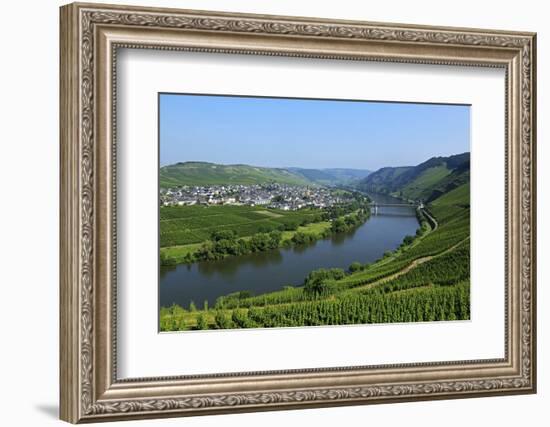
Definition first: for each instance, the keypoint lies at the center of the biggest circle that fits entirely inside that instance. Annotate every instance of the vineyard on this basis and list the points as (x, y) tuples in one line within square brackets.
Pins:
[(183, 225), (426, 279), (203, 233)]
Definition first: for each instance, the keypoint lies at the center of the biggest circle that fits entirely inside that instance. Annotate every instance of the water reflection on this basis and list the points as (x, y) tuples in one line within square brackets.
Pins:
[(230, 266), (341, 238)]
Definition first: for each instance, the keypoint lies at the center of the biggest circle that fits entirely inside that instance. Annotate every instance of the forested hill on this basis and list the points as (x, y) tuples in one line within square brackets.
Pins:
[(204, 173), (426, 181)]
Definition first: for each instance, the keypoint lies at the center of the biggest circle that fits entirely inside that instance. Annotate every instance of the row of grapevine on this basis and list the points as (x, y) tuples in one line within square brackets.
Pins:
[(425, 304)]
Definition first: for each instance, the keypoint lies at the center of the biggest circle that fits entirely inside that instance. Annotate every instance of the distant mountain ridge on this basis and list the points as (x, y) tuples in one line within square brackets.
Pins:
[(205, 173), (332, 176), (426, 181)]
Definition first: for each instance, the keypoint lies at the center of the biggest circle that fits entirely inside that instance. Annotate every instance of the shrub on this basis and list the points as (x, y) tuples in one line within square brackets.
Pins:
[(301, 238), (240, 318), (223, 321), (355, 266), (320, 282), (202, 323), (222, 235), (167, 260), (407, 240)]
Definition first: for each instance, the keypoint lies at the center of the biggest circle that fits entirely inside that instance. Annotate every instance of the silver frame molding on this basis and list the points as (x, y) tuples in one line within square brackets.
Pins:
[(90, 37)]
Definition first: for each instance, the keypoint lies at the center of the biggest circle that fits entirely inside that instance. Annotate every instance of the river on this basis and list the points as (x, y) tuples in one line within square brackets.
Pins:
[(269, 271)]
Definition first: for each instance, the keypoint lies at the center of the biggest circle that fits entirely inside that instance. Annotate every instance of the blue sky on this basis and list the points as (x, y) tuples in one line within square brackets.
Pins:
[(278, 132)]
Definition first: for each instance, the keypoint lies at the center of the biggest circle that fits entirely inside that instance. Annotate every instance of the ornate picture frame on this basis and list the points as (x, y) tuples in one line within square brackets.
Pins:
[(90, 37)]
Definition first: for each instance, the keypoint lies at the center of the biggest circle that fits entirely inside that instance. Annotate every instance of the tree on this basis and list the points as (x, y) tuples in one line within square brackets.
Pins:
[(222, 235), (407, 240), (350, 220), (319, 282), (338, 225), (291, 225), (355, 266), (206, 251), (259, 242), (243, 294), (275, 236), (301, 238)]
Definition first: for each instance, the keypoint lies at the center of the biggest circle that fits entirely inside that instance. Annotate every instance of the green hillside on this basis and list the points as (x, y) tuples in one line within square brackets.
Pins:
[(426, 181), (422, 186), (315, 175), (460, 196), (345, 175), (203, 173), (381, 180), (331, 176)]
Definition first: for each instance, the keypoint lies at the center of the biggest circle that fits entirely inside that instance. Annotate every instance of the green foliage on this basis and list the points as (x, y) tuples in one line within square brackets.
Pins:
[(241, 319), (166, 259), (223, 321), (320, 282), (225, 245), (407, 240), (202, 323), (339, 225), (301, 238), (218, 235), (355, 266), (348, 222)]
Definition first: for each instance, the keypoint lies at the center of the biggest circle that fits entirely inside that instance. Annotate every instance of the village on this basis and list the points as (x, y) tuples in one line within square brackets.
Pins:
[(274, 195)]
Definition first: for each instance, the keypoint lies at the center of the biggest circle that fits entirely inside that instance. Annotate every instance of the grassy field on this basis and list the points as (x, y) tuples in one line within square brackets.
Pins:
[(424, 280)]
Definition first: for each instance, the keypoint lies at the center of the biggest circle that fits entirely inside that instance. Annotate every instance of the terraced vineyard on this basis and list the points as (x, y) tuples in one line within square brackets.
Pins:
[(423, 280)]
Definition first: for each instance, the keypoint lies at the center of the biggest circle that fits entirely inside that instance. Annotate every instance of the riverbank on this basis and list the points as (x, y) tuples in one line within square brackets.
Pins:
[(225, 243)]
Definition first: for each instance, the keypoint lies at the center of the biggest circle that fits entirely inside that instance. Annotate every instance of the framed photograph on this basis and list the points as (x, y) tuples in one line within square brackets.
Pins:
[(266, 212)]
